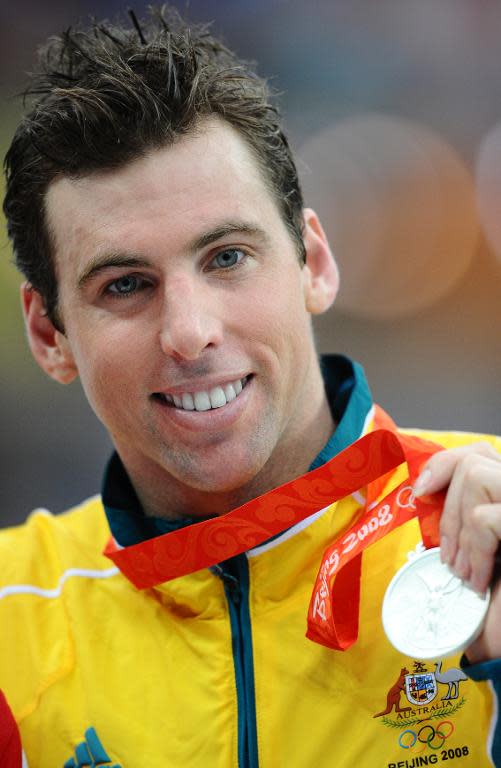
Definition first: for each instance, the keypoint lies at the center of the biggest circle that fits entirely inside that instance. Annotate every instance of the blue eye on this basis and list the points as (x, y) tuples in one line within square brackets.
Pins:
[(124, 286), (228, 258), (133, 287)]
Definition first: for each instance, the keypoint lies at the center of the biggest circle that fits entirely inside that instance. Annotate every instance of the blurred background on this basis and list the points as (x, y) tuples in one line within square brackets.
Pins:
[(394, 110)]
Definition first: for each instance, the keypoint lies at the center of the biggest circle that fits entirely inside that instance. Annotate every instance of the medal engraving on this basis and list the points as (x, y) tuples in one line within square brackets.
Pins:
[(429, 613)]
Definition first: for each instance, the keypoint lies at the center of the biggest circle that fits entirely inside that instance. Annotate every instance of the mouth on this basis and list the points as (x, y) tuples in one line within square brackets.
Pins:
[(204, 399)]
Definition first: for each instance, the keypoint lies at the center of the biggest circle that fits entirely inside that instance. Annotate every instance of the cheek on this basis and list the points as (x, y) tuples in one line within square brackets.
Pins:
[(274, 307), (107, 371), (114, 400)]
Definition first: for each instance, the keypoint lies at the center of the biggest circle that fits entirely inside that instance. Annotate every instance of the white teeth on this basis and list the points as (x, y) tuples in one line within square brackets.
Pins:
[(230, 393), (217, 397), (204, 401), (187, 401)]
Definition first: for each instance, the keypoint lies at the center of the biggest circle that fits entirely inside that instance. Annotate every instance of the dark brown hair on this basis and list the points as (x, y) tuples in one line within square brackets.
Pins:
[(106, 94)]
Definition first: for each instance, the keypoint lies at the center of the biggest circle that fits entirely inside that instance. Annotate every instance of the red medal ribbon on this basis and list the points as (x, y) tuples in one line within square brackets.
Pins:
[(334, 607), (366, 463)]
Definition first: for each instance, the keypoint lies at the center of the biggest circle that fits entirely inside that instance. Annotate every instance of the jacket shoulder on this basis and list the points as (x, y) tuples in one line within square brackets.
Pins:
[(49, 569), (453, 438), (46, 545)]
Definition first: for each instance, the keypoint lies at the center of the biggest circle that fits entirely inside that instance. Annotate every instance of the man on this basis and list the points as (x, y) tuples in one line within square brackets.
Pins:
[(155, 211)]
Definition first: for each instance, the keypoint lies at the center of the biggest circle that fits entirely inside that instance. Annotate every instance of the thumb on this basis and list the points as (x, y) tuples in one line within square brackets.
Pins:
[(437, 472)]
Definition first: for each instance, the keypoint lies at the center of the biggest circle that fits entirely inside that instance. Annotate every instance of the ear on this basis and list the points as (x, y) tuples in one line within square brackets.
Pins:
[(49, 347), (321, 276)]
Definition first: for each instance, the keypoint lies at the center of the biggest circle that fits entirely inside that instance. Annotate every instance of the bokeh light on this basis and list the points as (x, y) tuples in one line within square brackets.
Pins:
[(398, 206), (488, 183)]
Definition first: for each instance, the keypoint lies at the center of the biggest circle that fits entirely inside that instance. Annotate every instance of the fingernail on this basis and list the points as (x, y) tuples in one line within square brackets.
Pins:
[(422, 482), (445, 551)]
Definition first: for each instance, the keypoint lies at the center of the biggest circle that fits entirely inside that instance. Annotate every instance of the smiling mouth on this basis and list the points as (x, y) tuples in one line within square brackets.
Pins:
[(204, 399)]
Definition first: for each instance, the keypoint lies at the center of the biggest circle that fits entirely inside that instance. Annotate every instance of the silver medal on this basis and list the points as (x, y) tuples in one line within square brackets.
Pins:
[(428, 612)]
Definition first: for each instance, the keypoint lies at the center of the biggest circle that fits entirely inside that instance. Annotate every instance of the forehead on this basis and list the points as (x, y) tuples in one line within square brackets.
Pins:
[(182, 188)]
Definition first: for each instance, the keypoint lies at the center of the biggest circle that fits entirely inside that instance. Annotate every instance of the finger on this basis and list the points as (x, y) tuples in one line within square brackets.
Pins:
[(479, 542), (461, 566), (476, 481), (451, 522), (438, 470)]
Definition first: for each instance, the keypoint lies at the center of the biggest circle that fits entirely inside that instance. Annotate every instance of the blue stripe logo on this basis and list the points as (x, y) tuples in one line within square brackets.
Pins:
[(90, 753)]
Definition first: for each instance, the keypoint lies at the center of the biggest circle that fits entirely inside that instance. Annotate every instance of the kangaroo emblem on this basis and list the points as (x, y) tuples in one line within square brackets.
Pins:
[(393, 697)]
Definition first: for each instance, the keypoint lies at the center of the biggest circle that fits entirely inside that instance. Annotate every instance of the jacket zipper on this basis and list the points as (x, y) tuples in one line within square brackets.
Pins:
[(235, 576)]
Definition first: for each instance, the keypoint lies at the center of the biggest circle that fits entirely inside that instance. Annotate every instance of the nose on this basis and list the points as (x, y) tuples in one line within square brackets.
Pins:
[(191, 320)]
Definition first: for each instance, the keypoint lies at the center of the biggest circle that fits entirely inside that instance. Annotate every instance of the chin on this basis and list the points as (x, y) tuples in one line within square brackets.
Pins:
[(232, 471), (222, 483)]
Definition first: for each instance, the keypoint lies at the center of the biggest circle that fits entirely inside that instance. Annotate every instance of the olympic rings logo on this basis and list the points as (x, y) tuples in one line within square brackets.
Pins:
[(427, 736)]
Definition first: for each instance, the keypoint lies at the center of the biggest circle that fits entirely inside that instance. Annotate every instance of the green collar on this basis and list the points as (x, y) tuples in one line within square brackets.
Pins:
[(350, 401)]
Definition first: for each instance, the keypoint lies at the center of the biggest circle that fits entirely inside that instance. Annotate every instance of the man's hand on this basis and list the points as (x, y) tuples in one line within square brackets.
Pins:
[(470, 528)]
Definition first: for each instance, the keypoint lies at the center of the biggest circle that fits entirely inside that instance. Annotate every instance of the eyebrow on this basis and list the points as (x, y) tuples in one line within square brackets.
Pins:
[(109, 260), (225, 229), (106, 261)]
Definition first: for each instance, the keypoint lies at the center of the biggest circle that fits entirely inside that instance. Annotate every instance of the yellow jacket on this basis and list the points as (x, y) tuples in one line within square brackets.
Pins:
[(183, 675)]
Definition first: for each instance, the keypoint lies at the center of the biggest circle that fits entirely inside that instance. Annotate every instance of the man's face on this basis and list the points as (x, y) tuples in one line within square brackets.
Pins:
[(179, 286)]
